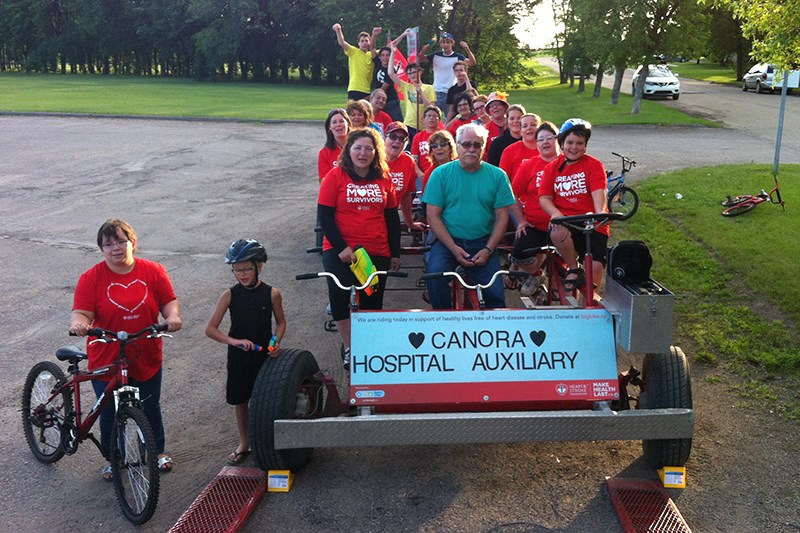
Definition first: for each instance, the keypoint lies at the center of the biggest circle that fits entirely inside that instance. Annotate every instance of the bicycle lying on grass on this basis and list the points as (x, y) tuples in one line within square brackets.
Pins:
[(54, 422), (739, 205), (620, 197)]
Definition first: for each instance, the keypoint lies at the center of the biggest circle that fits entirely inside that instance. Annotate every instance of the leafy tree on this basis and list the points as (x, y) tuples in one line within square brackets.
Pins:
[(772, 25)]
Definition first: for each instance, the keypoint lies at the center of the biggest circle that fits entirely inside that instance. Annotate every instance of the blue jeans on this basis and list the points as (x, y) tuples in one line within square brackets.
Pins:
[(441, 102), (441, 260), (149, 394)]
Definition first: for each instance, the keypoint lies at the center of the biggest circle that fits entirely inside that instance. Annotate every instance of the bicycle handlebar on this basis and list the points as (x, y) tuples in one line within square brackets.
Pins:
[(588, 222), (338, 283), (462, 281), (106, 335), (631, 162)]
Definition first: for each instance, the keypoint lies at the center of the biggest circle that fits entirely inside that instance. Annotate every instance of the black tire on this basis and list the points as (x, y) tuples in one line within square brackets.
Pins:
[(759, 88), (624, 200), (46, 431), (739, 209), (134, 463), (281, 382), (668, 385), (744, 86), (675, 96)]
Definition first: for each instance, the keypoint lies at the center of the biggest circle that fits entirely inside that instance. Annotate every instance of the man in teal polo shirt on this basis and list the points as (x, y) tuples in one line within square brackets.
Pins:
[(468, 202)]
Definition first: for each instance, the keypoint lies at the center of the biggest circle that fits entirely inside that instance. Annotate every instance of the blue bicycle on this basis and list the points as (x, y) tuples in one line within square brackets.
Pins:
[(620, 197)]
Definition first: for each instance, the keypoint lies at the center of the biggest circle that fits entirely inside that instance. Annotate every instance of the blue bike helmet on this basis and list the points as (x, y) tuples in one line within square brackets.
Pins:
[(246, 250), (575, 125)]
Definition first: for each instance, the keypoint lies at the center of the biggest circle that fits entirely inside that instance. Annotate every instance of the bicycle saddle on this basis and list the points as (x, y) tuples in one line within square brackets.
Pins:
[(71, 353)]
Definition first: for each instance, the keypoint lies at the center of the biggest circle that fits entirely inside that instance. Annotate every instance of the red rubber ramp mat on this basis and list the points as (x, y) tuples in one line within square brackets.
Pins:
[(225, 503), (644, 506)]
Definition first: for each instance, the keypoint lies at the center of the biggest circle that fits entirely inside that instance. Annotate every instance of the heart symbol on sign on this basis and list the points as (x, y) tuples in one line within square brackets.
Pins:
[(128, 297), (538, 337), (416, 339)]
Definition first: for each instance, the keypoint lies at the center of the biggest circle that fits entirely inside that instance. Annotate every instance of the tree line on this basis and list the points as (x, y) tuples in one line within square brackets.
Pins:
[(253, 40)]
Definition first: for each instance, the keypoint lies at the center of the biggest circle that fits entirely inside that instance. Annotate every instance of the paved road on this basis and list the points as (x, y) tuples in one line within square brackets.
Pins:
[(189, 188), (750, 121)]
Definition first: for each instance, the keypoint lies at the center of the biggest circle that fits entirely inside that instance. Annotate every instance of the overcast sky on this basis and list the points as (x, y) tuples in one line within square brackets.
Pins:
[(537, 30)]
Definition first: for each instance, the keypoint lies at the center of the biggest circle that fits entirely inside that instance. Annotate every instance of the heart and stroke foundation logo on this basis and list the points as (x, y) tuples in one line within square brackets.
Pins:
[(128, 297)]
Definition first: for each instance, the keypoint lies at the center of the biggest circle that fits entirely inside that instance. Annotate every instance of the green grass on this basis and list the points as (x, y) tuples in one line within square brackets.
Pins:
[(705, 71), (722, 268), (178, 97), (737, 302)]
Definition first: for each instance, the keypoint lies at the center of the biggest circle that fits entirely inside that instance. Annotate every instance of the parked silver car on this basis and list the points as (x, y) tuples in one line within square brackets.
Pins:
[(762, 78), (660, 81)]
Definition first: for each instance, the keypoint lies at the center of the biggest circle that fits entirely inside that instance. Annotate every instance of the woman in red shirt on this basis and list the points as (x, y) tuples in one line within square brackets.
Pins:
[(526, 148), (123, 293), (337, 126), (574, 184), (357, 206), (532, 229)]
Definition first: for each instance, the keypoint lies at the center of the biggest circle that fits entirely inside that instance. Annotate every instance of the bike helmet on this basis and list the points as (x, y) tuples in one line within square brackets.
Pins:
[(574, 125), (246, 250)]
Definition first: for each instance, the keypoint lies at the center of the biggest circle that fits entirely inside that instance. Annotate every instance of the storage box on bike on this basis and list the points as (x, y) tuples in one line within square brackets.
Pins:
[(643, 314)]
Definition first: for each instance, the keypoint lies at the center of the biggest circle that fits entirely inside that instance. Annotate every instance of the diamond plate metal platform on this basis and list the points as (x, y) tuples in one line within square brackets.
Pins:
[(644, 506), (492, 427), (225, 503)]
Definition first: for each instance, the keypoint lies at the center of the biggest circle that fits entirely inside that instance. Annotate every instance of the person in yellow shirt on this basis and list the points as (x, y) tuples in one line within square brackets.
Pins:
[(417, 95), (359, 61)]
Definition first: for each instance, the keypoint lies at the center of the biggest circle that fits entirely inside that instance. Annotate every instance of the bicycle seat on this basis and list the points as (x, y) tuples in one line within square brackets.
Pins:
[(71, 353)]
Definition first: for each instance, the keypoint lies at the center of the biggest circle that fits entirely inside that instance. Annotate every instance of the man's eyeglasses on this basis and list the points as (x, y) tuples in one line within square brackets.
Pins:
[(242, 270), (475, 145), (546, 140), (115, 244), (396, 137), (478, 107), (434, 146)]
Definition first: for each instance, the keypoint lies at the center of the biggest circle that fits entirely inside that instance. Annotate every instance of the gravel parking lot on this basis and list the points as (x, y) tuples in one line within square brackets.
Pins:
[(189, 188)]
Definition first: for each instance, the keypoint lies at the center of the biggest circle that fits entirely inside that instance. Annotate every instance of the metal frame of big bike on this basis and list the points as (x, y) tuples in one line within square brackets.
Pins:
[(55, 423)]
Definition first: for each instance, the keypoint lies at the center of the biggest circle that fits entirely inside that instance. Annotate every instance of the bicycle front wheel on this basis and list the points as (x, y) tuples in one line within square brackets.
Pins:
[(45, 422), (739, 209), (624, 200), (134, 462)]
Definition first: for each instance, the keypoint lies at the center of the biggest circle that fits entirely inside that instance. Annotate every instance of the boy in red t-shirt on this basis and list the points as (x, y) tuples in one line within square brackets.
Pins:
[(419, 146)]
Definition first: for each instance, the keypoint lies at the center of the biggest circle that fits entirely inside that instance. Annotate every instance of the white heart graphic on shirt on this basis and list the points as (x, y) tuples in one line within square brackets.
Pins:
[(133, 295), (361, 191), (567, 185)]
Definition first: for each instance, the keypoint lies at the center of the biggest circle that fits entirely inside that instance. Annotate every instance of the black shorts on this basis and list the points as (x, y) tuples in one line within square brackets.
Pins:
[(339, 299), (243, 370), (533, 238), (357, 95), (598, 242)]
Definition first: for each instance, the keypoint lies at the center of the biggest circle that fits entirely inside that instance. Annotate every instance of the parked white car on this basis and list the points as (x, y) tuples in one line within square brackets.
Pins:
[(764, 77), (660, 81)]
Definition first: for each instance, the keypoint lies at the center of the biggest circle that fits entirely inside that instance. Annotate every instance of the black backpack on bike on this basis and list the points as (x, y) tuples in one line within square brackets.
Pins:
[(630, 262)]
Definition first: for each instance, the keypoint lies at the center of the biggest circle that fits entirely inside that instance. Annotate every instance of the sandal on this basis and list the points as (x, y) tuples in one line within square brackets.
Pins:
[(236, 458), (576, 282), (107, 473), (165, 463)]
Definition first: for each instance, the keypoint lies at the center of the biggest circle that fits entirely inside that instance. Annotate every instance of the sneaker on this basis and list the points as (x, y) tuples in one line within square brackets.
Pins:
[(328, 309), (346, 359), (107, 473), (530, 285)]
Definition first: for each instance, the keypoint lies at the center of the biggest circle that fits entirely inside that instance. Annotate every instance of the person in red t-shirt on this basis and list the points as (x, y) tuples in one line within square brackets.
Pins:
[(122, 293), (357, 206), (532, 229), (378, 101), (465, 113), (337, 126), (574, 184), (402, 171), (519, 152), (419, 146)]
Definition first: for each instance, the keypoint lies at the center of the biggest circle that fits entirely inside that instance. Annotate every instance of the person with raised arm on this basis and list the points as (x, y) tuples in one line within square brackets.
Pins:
[(359, 61)]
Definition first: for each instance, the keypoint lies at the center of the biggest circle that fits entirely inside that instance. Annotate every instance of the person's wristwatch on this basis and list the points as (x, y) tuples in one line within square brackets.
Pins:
[(487, 248)]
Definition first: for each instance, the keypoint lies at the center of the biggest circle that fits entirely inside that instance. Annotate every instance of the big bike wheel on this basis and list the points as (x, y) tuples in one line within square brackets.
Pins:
[(668, 385), (45, 423), (284, 389), (134, 462), (624, 200), (739, 209)]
